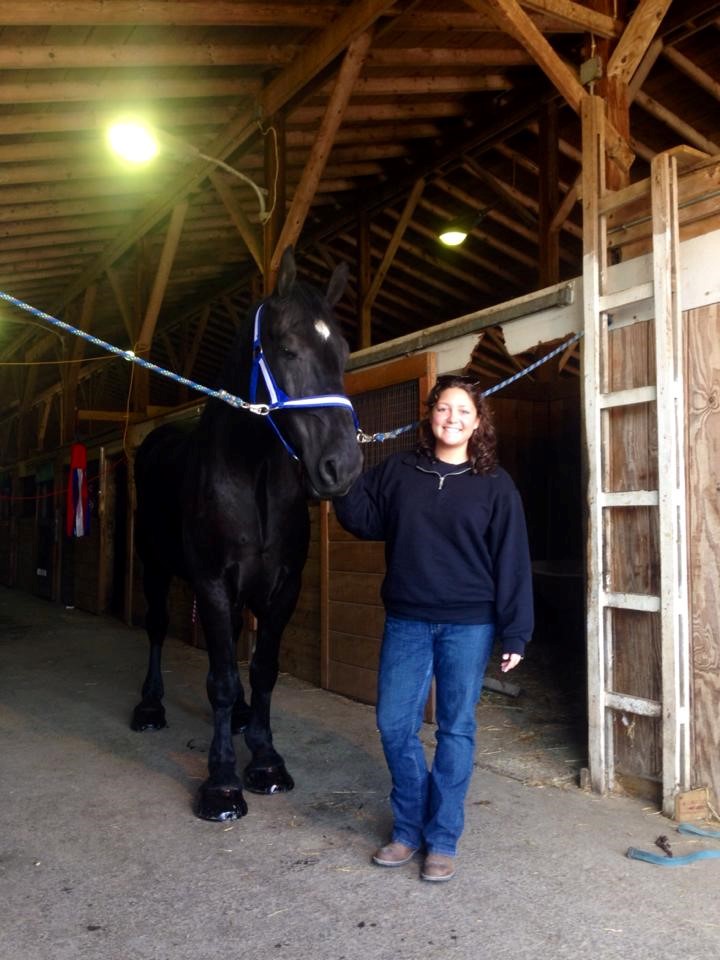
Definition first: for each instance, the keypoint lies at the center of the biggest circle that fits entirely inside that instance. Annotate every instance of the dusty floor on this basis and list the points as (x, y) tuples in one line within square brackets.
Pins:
[(101, 857)]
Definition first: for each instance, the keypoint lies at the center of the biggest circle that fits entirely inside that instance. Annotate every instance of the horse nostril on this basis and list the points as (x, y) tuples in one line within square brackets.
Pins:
[(329, 471)]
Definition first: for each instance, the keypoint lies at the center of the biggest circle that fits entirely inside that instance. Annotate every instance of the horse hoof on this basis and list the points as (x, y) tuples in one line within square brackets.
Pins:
[(220, 803), (267, 779), (148, 718)]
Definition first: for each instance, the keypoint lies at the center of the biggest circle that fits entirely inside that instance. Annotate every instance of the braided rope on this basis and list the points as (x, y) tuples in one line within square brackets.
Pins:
[(391, 434), (262, 409), (259, 408)]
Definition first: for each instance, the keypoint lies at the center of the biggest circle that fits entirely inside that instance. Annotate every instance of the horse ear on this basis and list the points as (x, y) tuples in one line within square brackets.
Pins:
[(286, 273), (337, 284)]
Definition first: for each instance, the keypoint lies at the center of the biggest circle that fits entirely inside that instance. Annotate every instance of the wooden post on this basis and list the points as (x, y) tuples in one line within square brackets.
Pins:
[(593, 166), (549, 193), (339, 98), (147, 330)]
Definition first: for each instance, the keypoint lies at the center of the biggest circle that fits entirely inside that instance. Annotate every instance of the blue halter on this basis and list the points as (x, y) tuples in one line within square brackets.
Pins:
[(279, 400)]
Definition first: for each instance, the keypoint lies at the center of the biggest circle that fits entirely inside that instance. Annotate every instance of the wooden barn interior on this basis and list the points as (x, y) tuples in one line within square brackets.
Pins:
[(577, 144)]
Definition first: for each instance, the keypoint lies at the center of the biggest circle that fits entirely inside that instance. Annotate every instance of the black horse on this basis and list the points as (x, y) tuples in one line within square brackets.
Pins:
[(224, 505)]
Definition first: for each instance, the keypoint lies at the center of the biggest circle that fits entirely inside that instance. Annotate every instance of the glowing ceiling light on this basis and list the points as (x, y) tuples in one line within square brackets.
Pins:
[(452, 236), (456, 232), (133, 141), (138, 143)]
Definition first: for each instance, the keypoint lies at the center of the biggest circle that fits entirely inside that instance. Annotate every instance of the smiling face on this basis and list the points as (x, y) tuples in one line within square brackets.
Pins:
[(452, 421)]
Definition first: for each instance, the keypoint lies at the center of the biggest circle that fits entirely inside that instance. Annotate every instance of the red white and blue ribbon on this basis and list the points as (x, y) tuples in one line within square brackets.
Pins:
[(77, 520)]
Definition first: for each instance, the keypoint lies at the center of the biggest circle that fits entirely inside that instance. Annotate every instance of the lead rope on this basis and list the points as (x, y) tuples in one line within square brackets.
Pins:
[(259, 365), (391, 434)]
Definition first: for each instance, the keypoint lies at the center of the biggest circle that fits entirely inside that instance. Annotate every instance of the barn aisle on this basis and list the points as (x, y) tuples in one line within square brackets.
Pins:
[(101, 856)]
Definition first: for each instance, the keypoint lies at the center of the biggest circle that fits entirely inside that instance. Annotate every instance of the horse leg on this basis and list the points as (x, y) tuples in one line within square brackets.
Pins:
[(266, 772), (149, 714), (220, 797), (241, 710)]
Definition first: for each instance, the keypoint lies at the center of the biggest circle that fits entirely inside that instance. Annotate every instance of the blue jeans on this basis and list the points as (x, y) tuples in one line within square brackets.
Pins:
[(427, 805)]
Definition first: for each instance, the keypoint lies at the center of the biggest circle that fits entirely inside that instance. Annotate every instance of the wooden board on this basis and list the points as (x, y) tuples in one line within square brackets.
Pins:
[(703, 444)]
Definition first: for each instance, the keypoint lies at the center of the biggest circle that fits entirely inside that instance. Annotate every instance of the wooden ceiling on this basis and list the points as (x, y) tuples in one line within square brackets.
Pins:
[(369, 123)]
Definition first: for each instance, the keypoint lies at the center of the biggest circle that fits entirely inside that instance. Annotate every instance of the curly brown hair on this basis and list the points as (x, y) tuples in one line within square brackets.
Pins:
[(482, 444)]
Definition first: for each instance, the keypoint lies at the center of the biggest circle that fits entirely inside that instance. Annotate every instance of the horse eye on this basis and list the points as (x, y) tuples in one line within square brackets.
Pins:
[(286, 351)]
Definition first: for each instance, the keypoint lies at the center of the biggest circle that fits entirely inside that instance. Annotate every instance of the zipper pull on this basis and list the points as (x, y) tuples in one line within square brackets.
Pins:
[(441, 481)]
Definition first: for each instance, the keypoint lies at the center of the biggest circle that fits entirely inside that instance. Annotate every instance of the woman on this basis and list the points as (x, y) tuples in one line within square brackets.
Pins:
[(457, 576)]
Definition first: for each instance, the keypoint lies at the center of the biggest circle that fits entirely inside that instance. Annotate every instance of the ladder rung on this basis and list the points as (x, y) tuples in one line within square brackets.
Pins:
[(645, 602), (636, 705), (622, 298), (623, 398), (629, 498)]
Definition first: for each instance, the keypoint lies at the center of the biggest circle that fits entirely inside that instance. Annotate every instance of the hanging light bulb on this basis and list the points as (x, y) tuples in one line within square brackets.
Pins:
[(455, 232), (138, 143), (133, 141)]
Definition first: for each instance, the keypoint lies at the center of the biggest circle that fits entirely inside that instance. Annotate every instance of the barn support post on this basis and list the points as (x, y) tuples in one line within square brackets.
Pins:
[(549, 268), (672, 506)]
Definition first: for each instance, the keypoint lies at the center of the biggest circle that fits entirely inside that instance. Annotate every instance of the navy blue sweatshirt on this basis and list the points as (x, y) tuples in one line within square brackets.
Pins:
[(456, 548)]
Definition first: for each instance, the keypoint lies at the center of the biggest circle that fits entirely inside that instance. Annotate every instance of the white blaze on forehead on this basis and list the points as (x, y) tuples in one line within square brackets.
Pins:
[(322, 328)]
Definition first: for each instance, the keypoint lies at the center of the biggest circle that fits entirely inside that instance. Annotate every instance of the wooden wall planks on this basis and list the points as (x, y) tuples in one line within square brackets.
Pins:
[(703, 463)]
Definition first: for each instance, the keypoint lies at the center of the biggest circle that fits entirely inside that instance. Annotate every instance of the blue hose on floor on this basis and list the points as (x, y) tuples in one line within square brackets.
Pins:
[(661, 861)]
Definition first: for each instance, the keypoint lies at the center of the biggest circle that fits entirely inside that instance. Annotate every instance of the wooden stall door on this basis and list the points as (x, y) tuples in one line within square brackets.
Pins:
[(351, 570)]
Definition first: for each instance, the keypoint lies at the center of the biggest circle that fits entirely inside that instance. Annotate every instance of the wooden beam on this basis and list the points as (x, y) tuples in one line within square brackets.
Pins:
[(698, 76), (578, 16), (320, 52), (444, 57), (646, 65), (242, 224), (55, 56), (434, 110), (636, 39), (171, 352), (566, 205), (70, 374), (395, 240), (408, 86), (380, 134), (43, 423), (123, 306), (504, 191), (176, 13), (109, 91), (462, 22), (172, 238), (173, 116), (352, 64), (510, 16), (108, 415), (676, 123)]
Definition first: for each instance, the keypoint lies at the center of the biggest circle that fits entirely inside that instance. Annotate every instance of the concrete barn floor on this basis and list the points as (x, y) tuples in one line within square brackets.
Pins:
[(101, 856)]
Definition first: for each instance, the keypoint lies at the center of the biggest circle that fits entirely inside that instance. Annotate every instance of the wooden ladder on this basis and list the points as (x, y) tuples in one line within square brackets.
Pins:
[(614, 515)]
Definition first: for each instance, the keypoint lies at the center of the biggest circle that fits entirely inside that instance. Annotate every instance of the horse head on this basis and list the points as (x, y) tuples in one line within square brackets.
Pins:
[(304, 355)]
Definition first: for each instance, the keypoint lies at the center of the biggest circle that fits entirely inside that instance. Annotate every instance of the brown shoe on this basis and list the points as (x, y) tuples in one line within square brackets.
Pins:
[(394, 854), (438, 867)]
